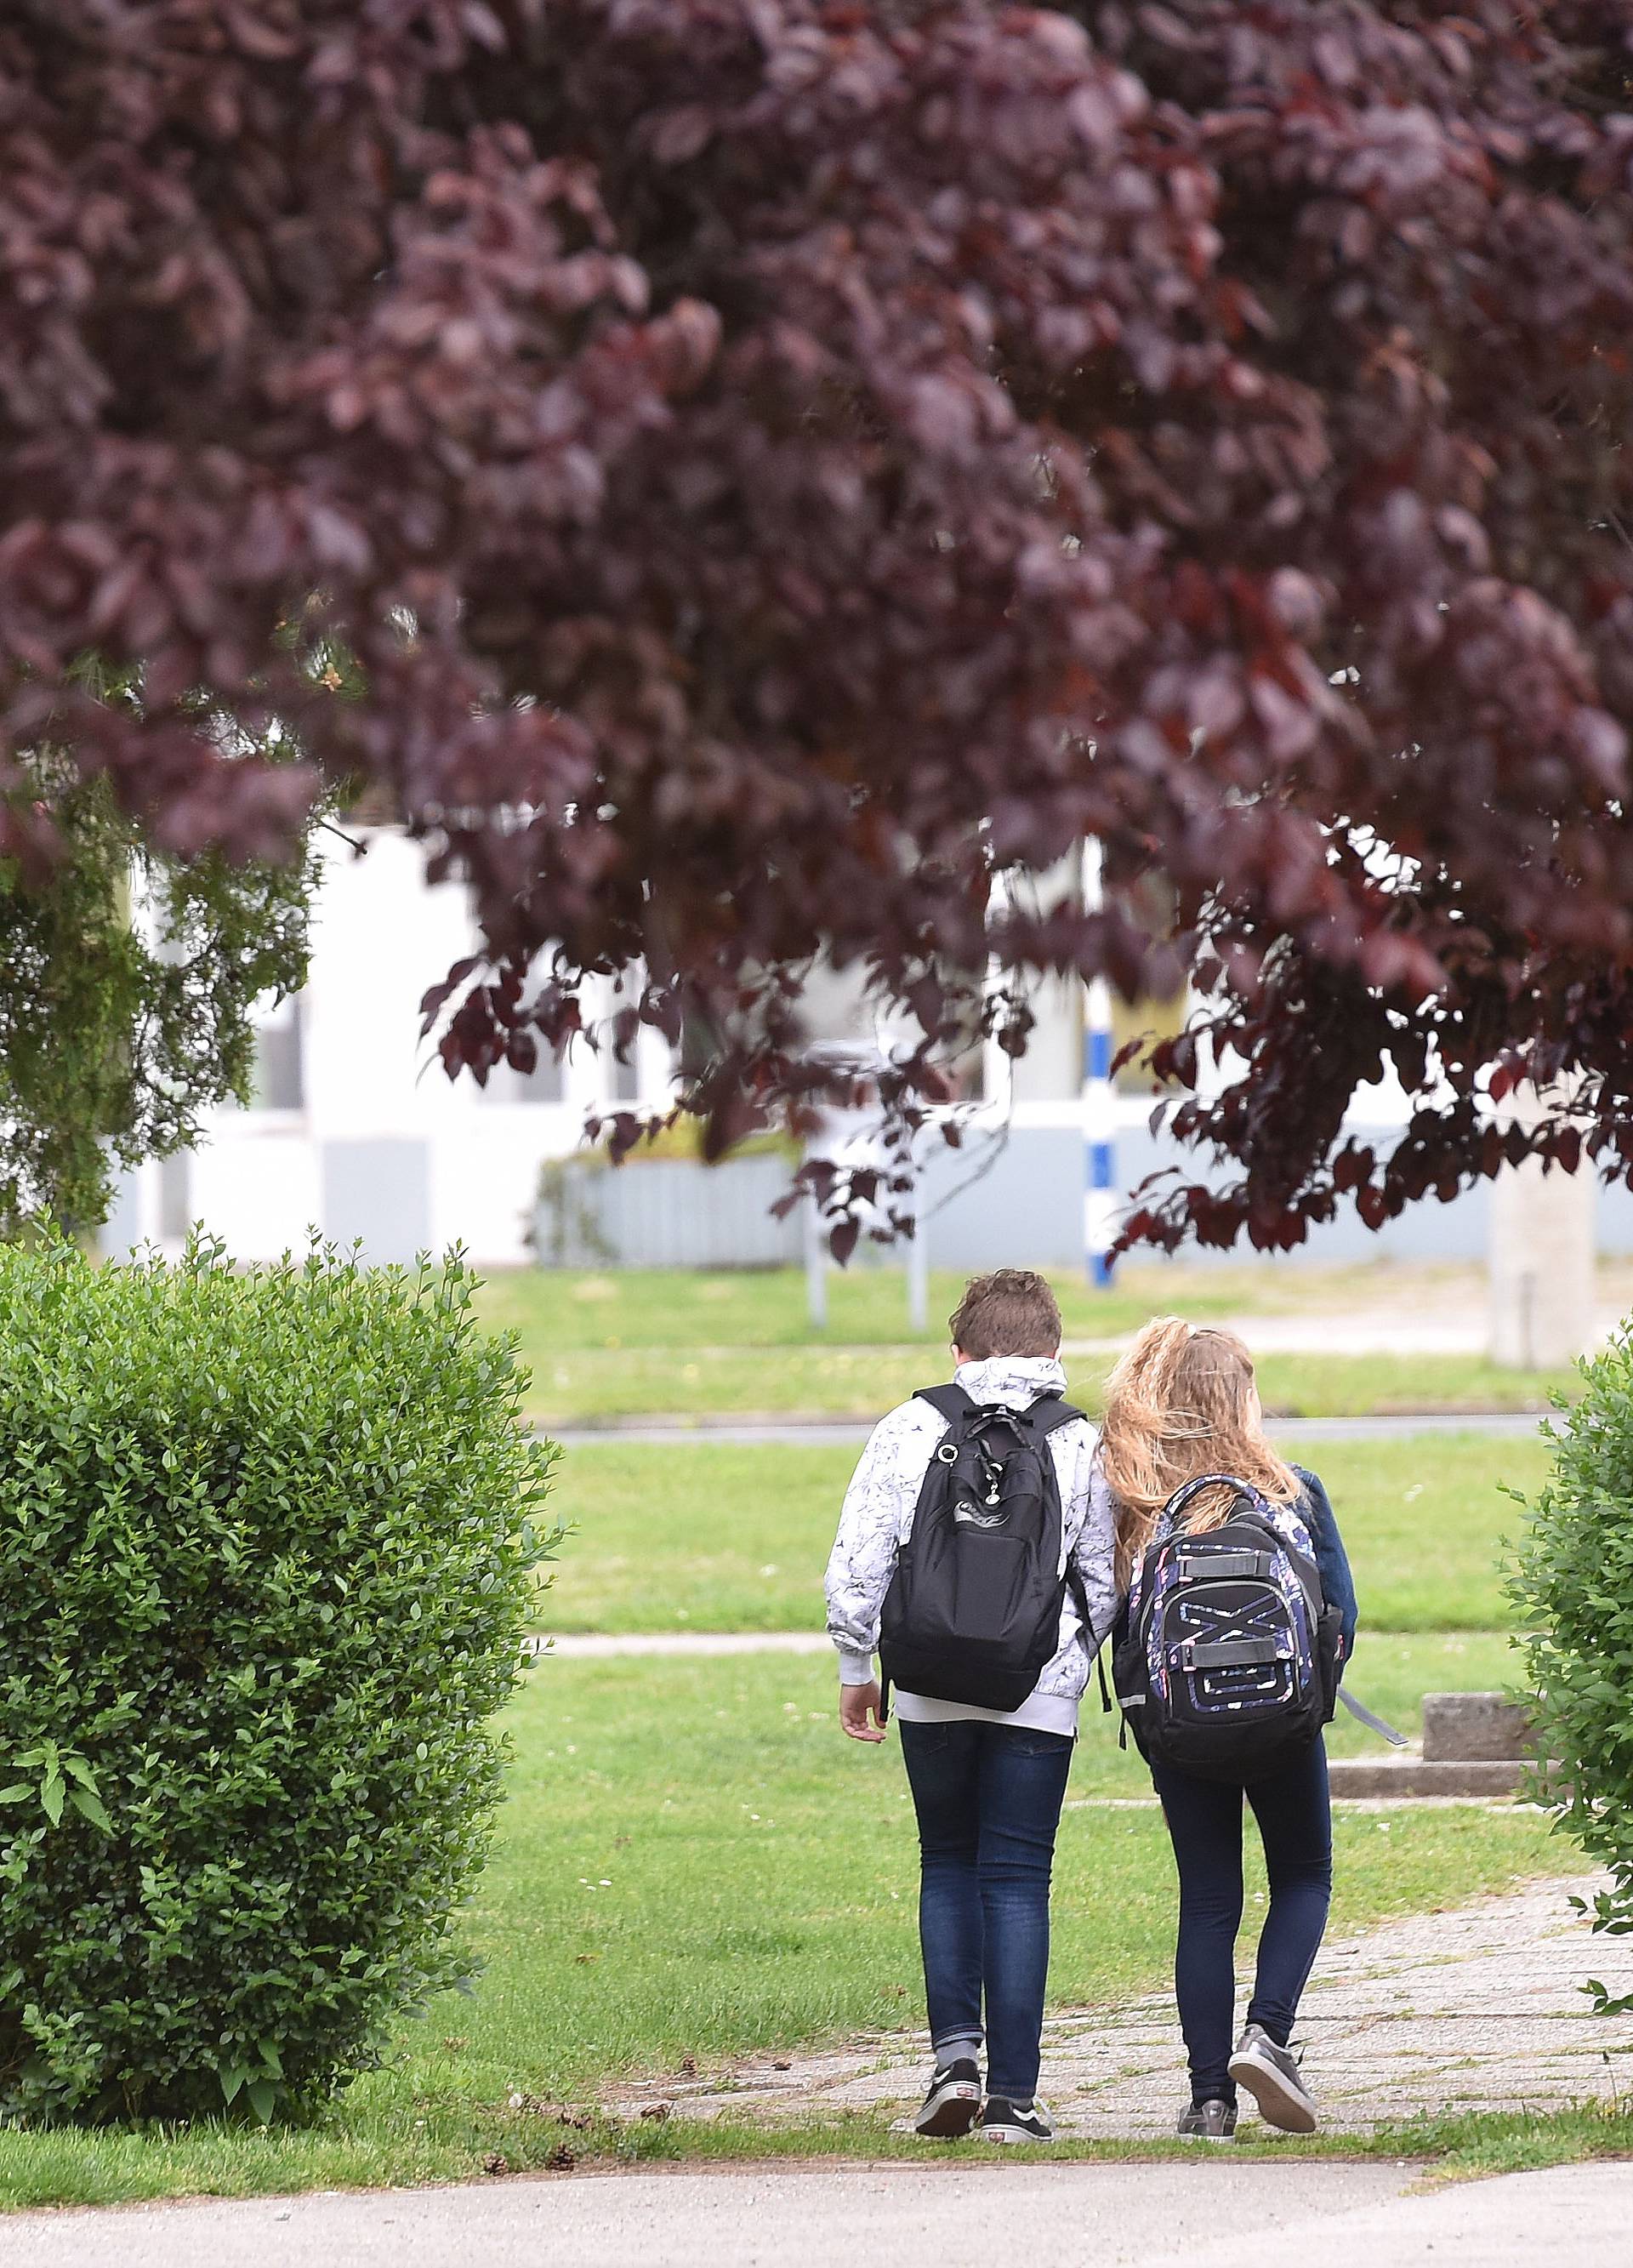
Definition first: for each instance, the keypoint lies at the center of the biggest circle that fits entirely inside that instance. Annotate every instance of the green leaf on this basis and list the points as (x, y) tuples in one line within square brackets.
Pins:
[(91, 1807), (19, 1792), (263, 2096), (52, 1791)]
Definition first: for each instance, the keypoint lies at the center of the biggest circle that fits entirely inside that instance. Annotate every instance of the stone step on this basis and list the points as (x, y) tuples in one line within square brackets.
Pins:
[(1406, 1774), (1473, 1728)]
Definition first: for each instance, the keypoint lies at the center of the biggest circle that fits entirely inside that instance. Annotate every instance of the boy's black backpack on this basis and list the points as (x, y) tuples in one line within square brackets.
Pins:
[(973, 1612), (1227, 1665)]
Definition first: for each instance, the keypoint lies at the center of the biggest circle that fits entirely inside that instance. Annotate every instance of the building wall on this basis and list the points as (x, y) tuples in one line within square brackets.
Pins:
[(1025, 1207), (380, 1147), (370, 1142)]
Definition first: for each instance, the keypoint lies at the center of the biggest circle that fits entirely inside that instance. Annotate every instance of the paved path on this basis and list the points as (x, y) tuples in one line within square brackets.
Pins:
[(847, 1432), (1160, 2216), (1477, 2009)]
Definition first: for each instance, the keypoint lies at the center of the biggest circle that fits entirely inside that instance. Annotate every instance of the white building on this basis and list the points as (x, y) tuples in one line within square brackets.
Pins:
[(357, 1131)]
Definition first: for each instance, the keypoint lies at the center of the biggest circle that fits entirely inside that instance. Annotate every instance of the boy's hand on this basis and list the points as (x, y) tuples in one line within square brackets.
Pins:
[(858, 1712)]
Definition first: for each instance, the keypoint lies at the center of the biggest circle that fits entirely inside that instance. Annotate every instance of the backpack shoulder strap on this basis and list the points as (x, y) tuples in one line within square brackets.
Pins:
[(1050, 1414), (949, 1402), (1373, 1724)]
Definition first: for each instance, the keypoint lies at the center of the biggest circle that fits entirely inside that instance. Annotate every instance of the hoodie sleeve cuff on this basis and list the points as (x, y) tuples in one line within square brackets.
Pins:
[(855, 1669)]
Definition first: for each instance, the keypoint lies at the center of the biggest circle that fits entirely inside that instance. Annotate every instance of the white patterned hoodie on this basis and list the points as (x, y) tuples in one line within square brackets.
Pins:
[(877, 1519)]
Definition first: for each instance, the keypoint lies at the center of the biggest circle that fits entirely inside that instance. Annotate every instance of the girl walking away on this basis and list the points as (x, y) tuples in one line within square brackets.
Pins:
[(1239, 1616)]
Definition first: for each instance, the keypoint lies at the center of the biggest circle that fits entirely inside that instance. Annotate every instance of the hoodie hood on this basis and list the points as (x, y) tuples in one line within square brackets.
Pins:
[(1011, 1381)]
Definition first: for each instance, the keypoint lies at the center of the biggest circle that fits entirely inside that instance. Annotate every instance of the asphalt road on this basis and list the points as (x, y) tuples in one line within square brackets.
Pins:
[(1152, 2216)]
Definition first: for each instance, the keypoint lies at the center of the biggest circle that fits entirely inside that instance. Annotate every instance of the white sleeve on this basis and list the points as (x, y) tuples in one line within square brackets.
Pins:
[(1092, 1513), (877, 1512)]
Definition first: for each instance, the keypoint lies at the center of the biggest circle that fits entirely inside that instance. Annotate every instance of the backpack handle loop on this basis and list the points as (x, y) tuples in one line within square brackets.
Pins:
[(1186, 1494)]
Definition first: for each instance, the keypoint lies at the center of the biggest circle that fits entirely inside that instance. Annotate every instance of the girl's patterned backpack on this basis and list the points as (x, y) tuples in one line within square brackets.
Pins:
[(1228, 1662)]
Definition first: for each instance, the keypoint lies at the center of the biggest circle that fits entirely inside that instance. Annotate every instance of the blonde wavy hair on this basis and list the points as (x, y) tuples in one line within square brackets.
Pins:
[(1183, 1401)]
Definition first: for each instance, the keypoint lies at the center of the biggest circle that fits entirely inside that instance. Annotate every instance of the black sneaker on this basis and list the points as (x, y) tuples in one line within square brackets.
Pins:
[(1208, 2121), (953, 2104), (1271, 2076), (1014, 2122)]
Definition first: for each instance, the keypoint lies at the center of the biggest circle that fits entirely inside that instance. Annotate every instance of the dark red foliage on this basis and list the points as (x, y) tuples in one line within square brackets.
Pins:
[(774, 462)]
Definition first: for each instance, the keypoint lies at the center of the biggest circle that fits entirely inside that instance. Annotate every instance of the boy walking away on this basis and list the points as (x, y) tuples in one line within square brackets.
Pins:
[(974, 1556)]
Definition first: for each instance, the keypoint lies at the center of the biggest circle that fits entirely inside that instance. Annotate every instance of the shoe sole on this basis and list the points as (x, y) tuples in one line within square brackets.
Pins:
[(953, 2116), (1213, 2140), (1006, 2136), (1279, 2105)]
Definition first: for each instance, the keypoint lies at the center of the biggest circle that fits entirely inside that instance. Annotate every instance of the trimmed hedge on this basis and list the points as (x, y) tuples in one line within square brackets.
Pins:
[(266, 1555), (1574, 1592)]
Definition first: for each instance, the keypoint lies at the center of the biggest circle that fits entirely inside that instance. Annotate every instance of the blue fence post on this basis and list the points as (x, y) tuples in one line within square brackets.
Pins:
[(1100, 1130)]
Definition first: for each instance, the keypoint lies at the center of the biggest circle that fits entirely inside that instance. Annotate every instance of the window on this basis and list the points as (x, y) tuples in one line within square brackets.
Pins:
[(544, 1083), (277, 1081), (175, 1195)]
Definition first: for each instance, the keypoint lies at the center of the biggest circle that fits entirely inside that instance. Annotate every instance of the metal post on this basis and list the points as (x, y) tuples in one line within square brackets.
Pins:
[(918, 1263), (1099, 1162), (816, 1266), (1540, 1244)]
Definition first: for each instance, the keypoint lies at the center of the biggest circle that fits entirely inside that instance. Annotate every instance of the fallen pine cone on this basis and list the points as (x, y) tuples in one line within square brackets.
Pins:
[(561, 2159), (655, 2110), (495, 2162)]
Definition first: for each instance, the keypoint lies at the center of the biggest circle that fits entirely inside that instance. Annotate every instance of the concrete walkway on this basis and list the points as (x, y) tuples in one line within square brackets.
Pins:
[(1477, 2009), (1017, 2210)]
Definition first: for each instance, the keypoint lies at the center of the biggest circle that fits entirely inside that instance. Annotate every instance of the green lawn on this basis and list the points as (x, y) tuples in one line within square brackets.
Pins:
[(685, 1344), (694, 1863), (709, 1535), (596, 1386), (558, 1310)]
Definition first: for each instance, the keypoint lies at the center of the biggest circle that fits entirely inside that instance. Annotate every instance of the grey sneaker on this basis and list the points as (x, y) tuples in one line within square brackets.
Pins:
[(1208, 2121), (953, 2104), (1015, 2122), (1271, 2076)]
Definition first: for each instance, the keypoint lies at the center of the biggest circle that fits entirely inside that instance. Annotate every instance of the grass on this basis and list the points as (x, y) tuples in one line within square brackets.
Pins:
[(692, 1863), (695, 1383), (686, 1345), (455, 2144), (558, 1311), (563, 1310), (712, 1535)]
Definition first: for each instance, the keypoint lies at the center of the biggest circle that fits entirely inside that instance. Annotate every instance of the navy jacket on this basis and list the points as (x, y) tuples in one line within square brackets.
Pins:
[(1332, 1561)]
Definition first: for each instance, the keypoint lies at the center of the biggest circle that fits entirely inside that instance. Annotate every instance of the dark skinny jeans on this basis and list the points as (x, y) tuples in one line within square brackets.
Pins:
[(1205, 1822), (988, 1799)]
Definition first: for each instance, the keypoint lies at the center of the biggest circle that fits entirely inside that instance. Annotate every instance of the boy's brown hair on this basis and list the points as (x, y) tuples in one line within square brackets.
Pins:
[(1012, 1311)]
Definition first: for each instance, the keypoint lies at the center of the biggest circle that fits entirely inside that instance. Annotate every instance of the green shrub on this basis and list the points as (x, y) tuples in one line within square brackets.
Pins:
[(266, 1563), (1574, 1590)]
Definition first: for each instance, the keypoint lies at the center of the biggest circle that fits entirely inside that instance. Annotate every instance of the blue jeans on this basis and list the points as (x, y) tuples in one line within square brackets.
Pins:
[(988, 1799), (1205, 1822)]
